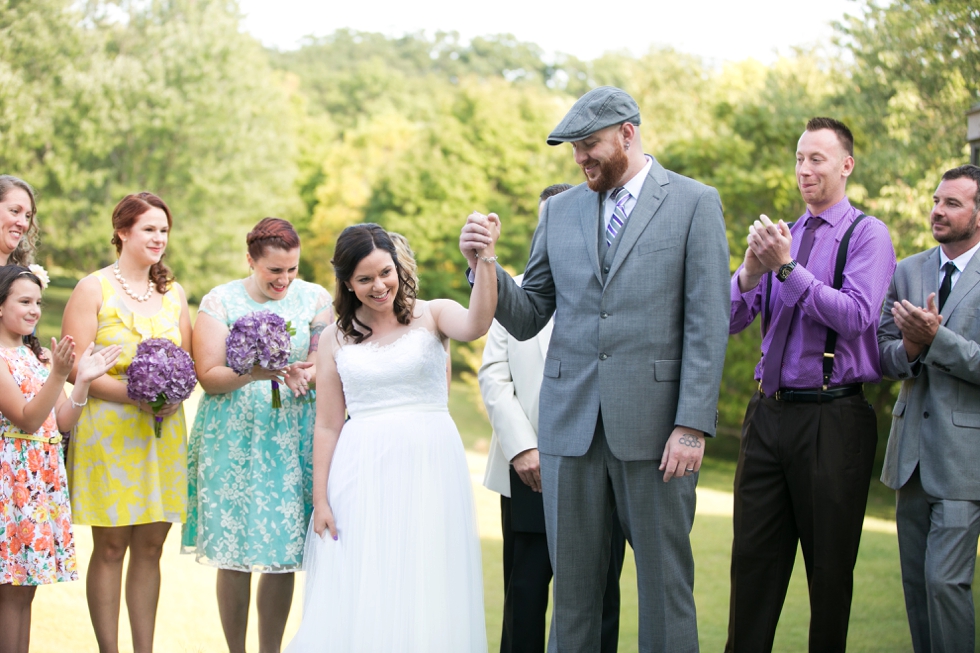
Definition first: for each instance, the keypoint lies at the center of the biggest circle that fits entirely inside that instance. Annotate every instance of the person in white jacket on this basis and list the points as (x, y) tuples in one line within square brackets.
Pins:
[(510, 382)]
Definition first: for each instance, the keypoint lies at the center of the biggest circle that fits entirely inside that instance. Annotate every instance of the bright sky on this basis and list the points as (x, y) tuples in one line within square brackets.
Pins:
[(719, 30)]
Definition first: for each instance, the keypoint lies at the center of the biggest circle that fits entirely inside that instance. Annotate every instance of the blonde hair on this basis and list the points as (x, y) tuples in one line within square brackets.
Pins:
[(406, 257)]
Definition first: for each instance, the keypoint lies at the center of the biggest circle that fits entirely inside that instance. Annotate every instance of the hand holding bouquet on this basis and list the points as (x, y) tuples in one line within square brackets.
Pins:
[(261, 338), (161, 373)]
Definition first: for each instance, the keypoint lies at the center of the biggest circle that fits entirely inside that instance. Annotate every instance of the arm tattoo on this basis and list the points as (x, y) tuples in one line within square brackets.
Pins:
[(690, 440), (315, 330)]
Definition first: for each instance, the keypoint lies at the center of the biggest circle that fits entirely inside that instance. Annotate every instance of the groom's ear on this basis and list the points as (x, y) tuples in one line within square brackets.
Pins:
[(628, 131)]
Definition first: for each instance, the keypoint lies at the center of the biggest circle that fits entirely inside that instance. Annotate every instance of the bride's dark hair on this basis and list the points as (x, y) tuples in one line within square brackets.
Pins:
[(353, 245)]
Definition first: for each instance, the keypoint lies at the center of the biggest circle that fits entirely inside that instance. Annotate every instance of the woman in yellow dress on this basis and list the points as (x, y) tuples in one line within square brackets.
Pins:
[(127, 484)]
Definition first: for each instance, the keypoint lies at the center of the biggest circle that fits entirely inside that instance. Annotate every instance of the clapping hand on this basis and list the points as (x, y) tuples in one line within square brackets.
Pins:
[(93, 364), (919, 326), (770, 243), (298, 377), (62, 356)]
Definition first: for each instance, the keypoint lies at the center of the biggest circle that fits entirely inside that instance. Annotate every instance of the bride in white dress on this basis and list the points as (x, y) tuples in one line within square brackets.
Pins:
[(393, 553)]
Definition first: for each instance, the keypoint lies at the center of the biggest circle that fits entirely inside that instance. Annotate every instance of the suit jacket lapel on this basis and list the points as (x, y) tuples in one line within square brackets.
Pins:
[(930, 277), (587, 216), (651, 197), (968, 280)]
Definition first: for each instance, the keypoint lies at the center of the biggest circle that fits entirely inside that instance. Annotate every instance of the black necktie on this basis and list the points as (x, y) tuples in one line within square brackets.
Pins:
[(947, 283)]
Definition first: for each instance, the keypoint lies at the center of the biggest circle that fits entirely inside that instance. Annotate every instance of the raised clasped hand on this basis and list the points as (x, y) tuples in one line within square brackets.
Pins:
[(683, 453), (94, 364), (770, 243), (479, 234), (298, 377)]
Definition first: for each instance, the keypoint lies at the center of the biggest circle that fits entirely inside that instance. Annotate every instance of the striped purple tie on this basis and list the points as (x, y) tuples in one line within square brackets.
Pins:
[(619, 217)]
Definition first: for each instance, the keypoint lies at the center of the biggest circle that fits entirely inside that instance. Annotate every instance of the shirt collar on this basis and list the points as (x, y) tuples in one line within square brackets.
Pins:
[(635, 185), (960, 261), (833, 215)]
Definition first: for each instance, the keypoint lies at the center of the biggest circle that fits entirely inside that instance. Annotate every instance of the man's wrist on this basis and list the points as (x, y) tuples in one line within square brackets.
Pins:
[(747, 281), (784, 270)]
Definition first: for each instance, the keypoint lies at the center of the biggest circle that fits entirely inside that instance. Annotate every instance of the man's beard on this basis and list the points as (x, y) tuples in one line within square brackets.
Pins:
[(960, 235), (610, 171)]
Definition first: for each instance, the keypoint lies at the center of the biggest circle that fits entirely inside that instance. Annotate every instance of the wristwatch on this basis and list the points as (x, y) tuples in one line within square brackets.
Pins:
[(783, 273)]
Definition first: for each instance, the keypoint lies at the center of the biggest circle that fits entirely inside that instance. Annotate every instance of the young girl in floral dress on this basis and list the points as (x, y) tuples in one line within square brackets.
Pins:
[(36, 545)]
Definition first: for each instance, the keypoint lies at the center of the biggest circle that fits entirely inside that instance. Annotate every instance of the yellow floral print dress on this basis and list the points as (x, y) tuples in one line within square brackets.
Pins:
[(118, 472), (36, 543)]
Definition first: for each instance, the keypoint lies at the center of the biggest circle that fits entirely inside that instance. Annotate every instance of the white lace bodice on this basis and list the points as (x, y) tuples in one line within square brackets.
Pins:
[(410, 371)]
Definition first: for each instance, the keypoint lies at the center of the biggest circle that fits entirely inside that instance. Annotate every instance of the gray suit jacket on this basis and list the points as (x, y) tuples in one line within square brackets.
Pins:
[(936, 419), (644, 340)]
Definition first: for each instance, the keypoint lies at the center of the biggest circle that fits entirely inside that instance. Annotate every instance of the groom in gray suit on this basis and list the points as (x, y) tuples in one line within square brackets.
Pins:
[(634, 266), (928, 338)]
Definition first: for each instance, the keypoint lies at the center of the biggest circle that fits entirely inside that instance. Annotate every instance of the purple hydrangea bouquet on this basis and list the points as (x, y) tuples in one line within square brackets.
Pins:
[(260, 338), (161, 373)]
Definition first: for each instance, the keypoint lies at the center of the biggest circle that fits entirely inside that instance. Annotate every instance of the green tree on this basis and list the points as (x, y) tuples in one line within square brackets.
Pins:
[(483, 150), (173, 99), (915, 72)]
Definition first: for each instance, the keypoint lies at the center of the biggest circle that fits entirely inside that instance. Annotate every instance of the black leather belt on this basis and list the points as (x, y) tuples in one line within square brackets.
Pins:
[(818, 395)]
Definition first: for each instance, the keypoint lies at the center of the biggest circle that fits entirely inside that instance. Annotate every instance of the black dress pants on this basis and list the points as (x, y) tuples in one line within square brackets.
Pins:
[(527, 573), (803, 475)]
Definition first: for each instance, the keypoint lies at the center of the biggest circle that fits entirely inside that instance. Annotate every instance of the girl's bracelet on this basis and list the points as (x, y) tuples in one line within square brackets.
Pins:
[(75, 403)]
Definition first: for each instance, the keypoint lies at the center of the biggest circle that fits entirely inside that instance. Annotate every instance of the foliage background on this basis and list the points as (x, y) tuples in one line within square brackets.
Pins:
[(100, 98)]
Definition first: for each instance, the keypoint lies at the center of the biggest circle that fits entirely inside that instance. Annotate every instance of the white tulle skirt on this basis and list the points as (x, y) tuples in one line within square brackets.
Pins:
[(405, 574)]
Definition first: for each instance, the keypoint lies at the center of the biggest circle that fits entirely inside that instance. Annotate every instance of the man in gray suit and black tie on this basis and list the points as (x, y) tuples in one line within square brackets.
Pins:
[(634, 266), (928, 338)]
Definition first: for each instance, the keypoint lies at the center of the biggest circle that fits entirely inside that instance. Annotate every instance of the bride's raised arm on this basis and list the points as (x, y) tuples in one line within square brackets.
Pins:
[(469, 324)]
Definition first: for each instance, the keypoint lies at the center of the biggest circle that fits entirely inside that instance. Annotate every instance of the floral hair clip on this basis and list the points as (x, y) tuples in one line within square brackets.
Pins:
[(41, 274)]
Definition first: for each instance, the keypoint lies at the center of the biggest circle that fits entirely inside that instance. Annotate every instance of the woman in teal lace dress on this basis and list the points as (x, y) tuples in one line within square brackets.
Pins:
[(250, 465)]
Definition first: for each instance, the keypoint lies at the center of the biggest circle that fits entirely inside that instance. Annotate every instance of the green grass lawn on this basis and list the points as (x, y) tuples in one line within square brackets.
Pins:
[(188, 619)]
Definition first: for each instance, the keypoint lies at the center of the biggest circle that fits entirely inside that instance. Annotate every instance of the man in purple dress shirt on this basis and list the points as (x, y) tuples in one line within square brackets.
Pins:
[(809, 435)]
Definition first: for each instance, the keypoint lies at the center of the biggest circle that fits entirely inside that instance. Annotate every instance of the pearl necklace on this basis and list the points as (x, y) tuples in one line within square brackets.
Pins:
[(125, 286)]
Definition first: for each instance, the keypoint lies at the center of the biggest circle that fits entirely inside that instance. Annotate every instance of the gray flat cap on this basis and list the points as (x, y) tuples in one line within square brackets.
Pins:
[(599, 108)]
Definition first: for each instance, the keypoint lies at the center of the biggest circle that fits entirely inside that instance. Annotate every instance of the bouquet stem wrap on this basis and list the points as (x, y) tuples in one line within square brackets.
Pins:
[(276, 399)]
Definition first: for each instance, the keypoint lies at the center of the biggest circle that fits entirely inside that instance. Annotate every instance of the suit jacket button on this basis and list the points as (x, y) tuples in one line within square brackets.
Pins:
[(926, 414), (606, 269), (603, 315), (603, 356)]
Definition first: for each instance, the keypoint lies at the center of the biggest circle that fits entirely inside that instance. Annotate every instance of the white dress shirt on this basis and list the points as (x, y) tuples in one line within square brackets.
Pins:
[(960, 262)]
